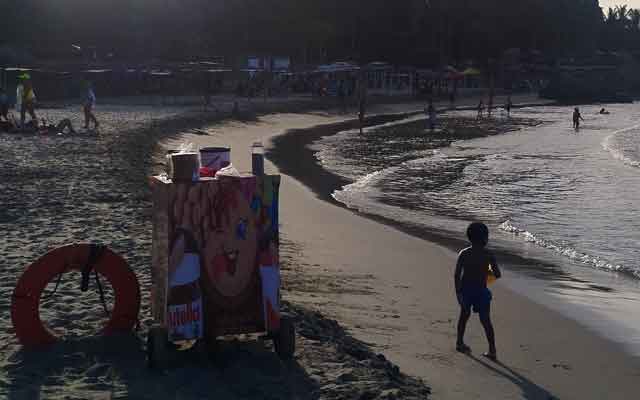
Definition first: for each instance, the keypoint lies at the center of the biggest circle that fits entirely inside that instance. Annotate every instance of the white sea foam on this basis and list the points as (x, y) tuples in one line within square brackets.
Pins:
[(565, 250), (621, 145)]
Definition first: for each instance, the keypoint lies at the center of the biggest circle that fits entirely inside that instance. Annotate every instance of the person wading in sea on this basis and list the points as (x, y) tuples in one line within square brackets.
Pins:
[(362, 101), (480, 109), (576, 118), (508, 106), (430, 112)]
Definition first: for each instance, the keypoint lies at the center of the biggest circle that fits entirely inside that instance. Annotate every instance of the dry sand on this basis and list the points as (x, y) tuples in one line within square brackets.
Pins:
[(395, 292), (92, 187)]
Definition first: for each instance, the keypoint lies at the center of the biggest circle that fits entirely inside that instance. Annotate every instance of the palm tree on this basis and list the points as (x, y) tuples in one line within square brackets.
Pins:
[(634, 19), (622, 12), (612, 16)]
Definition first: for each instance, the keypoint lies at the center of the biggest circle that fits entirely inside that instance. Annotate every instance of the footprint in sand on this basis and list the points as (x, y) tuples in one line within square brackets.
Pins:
[(564, 366)]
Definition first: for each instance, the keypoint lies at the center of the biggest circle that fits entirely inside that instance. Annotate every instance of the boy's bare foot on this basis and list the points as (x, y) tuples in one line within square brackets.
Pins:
[(463, 348), (491, 356)]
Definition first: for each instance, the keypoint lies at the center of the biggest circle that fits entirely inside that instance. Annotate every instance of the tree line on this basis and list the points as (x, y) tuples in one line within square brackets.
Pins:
[(418, 32)]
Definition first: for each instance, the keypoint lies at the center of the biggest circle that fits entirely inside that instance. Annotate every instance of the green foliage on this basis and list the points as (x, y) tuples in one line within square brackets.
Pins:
[(404, 31)]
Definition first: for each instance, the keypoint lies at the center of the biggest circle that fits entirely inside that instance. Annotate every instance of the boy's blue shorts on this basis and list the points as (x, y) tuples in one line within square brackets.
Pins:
[(477, 298)]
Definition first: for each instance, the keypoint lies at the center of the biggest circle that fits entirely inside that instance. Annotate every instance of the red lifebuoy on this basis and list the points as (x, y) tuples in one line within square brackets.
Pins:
[(25, 304)]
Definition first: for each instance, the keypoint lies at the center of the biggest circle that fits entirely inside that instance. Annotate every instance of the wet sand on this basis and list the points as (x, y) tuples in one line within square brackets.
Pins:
[(394, 291)]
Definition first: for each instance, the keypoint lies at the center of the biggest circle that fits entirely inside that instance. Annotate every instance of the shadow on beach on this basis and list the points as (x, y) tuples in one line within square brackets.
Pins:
[(115, 367), (329, 364), (530, 391)]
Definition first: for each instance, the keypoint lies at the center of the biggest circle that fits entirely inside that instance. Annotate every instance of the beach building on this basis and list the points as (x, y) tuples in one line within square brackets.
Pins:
[(328, 78), (385, 79), (164, 81)]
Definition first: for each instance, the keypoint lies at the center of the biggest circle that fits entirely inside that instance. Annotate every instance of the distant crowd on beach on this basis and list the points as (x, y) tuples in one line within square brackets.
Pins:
[(25, 105), (489, 108), (482, 110), (431, 112)]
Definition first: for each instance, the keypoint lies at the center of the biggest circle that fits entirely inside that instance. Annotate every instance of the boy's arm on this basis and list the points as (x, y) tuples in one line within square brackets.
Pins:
[(458, 279), (494, 266), (457, 276)]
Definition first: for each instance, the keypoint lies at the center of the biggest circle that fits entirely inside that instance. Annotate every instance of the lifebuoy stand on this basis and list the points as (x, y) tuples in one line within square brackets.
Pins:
[(25, 304)]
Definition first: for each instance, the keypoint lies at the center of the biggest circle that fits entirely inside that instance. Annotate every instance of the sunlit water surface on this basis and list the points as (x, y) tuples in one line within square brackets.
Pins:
[(566, 198)]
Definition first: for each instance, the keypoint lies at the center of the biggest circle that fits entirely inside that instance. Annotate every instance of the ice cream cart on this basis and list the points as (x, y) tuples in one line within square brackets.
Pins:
[(215, 265)]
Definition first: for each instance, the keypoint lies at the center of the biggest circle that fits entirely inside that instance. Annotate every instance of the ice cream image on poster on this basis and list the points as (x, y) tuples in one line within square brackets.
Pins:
[(230, 251), (184, 308)]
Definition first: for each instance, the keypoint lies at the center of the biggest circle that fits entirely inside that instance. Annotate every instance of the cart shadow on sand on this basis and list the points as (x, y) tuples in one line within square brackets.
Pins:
[(116, 367)]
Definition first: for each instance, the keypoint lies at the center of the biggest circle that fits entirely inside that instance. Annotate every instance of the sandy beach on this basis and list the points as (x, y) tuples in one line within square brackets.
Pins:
[(374, 305), (395, 292), (93, 188)]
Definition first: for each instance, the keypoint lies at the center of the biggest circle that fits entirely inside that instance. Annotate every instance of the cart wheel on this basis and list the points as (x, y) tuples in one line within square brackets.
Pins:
[(285, 340), (157, 352), (202, 352)]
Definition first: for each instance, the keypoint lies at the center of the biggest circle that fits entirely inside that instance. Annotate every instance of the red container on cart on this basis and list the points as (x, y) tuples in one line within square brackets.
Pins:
[(184, 303)]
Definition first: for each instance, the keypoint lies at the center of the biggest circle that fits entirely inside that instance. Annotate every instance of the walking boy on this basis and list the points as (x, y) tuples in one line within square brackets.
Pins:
[(472, 271)]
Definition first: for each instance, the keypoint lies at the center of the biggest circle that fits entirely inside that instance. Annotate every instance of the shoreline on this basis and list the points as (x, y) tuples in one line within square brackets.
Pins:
[(292, 156), (409, 314)]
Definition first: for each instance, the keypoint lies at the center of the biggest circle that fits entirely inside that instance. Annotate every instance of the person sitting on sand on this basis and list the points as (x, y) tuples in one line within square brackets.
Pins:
[(50, 129), (604, 112), (470, 278), (576, 118)]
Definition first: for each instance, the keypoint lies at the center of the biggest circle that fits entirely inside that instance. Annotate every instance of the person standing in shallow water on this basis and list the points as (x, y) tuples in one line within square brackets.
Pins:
[(430, 112), (362, 102), (480, 109), (576, 118), (474, 265)]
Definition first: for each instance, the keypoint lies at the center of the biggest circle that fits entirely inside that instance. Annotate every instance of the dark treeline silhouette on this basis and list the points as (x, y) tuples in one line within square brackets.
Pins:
[(419, 32)]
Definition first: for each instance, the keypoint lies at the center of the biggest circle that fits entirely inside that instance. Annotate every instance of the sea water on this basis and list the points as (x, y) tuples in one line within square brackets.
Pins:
[(565, 199)]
